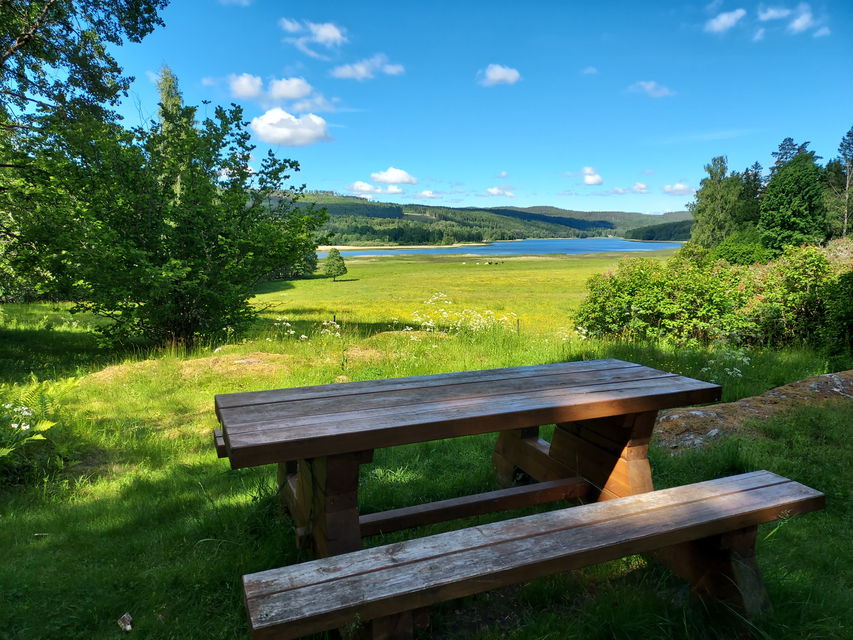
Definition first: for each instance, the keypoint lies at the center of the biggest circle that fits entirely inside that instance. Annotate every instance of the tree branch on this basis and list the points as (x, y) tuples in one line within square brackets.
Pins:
[(24, 38)]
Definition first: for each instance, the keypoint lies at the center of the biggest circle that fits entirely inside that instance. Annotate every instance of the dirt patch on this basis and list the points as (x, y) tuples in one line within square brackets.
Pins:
[(681, 429), (261, 364)]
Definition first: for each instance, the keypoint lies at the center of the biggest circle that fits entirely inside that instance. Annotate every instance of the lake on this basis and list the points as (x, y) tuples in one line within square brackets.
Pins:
[(535, 247)]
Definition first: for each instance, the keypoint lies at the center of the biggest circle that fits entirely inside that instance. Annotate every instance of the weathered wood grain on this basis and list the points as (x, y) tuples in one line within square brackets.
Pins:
[(385, 581), (286, 438), (478, 504)]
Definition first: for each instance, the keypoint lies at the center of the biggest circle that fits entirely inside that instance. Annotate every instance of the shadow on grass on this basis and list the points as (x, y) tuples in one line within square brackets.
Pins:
[(49, 354)]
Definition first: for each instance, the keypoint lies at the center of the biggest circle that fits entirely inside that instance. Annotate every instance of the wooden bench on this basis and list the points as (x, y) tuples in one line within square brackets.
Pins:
[(705, 532)]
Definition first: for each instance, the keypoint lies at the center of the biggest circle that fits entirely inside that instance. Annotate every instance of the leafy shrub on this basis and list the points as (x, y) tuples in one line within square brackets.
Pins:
[(802, 297), (27, 416), (742, 247)]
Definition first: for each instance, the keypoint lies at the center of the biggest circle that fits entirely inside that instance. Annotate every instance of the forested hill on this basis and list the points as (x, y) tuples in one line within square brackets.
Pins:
[(357, 221)]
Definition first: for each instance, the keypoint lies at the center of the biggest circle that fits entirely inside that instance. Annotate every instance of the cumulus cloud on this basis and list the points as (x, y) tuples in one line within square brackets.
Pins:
[(366, 189), (427, 193), (207, 81), (651, 89), (640, 187), (773, 13), (503, 175), (724, 21), (324, 34), (498, 74), (277, 126), (394, 176), (504, 190), (823, 31), (591, 176), (804, 20), (588, 71), (368, 68), (245, 85), (289, 88), (677, 189)]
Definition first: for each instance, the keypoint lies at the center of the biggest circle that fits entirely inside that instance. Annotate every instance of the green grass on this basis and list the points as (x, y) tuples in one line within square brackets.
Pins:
[(146, 519)]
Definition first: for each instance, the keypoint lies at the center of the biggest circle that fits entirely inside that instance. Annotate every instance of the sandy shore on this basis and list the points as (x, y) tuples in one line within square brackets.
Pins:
[(345, 247)]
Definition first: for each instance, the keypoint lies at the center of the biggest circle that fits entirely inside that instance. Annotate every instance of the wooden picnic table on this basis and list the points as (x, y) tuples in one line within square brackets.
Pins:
[(604, 412)]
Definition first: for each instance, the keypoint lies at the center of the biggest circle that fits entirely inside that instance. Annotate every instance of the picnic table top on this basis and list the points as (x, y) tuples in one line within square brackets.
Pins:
[(262, 427)]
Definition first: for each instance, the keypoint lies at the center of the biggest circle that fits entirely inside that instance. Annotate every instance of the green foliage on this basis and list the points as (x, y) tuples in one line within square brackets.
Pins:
[(725, 203), (28, 452), (302, 266), (792, 209), (664, 231), (802, 297), (742, 247), (164, 230), (334, 265)]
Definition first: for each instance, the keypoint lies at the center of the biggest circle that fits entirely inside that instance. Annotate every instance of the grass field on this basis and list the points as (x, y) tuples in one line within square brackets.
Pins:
[(145, 519)]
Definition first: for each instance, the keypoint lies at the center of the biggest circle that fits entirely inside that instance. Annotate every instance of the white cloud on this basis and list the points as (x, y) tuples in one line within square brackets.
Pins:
[(291, 26), (649, 172), (366, 189), (640, 187), (498, 74), (153, 77), (394, 176), (591, 176), (773, 13), (239, 3), (503, 174), (589, 71), (245, 85), (804, 20), (289, 88), (207, 81), (427, 193), (823, 31), (325, 34), (505, 191), (759, 35), (368, 68), (677, 189), (277, 126), (724, 21), (315, 104), (651, 89)]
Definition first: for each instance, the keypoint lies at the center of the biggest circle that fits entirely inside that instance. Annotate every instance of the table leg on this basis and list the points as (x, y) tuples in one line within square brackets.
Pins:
[(611, 453), (322, 498)]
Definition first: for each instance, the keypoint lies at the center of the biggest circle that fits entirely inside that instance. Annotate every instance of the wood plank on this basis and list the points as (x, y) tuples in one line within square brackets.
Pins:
[(531, 455), (478, 504), (219, 443), (312, 437), (401, 576), (248, 398), (399, 399), (321, 571)]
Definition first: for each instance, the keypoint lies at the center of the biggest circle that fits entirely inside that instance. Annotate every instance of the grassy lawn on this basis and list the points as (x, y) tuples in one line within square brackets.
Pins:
[(145, 519)]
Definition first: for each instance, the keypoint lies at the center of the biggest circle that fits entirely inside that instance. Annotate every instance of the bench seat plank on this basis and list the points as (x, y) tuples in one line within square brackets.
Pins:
[(288, 438), (332, 592)]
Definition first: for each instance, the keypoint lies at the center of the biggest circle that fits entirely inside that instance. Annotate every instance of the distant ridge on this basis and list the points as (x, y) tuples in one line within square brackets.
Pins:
[(354, 220)]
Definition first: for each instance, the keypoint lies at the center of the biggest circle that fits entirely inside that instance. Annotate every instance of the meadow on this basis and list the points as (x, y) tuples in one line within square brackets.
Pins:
[(143, 518)]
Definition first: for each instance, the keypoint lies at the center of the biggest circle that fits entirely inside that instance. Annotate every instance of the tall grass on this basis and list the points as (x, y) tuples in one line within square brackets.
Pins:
[(145, 519)]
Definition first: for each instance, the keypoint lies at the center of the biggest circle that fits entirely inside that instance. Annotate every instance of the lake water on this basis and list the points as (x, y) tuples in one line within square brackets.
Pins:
[(535, 247)]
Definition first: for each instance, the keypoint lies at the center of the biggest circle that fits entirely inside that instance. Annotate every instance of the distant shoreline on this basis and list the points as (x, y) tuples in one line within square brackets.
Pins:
[(386, 247)]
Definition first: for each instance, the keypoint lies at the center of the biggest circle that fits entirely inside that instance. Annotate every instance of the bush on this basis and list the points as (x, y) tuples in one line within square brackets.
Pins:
[(28, 450), (803, 297), (742, 247)]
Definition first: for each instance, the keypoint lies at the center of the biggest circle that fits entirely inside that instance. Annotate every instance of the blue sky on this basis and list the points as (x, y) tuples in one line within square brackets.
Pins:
[(590, 106)]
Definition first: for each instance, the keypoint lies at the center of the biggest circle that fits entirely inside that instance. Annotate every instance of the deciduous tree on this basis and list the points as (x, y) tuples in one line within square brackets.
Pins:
[(334, 265)]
